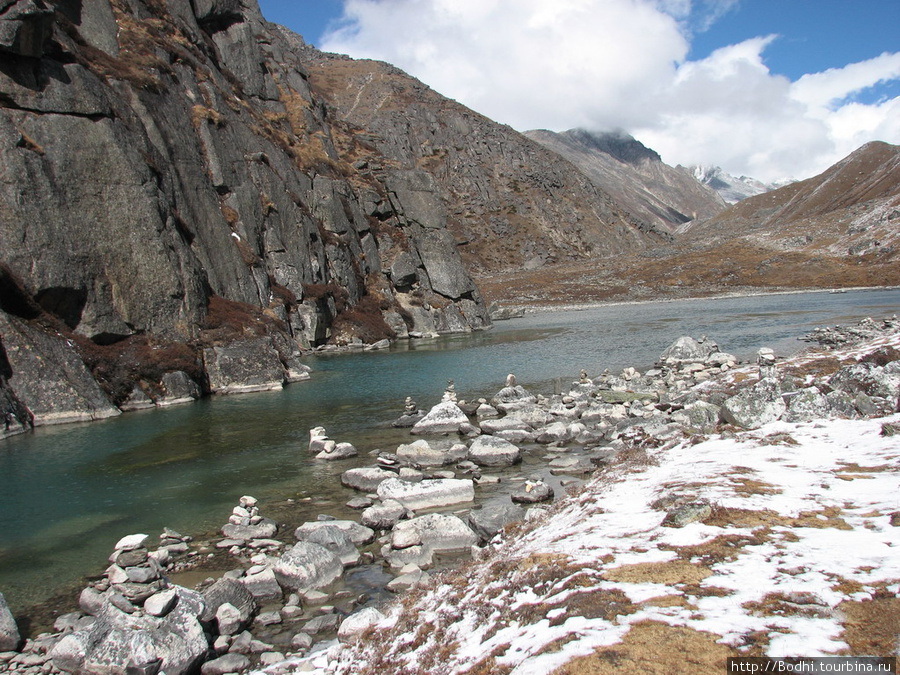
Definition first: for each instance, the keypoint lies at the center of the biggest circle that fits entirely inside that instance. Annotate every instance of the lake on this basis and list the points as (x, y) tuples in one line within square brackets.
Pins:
[(71, 491)]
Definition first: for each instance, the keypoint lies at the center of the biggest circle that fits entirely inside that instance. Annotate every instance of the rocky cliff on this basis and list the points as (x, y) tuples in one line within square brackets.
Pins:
[(636, 177), (180, 214), (512, 203)]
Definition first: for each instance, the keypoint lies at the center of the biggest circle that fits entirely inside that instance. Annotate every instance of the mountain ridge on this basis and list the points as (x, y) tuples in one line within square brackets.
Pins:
[(635, 176)]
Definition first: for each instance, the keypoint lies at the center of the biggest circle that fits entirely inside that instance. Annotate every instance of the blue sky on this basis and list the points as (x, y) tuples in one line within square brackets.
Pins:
[(768, 88)]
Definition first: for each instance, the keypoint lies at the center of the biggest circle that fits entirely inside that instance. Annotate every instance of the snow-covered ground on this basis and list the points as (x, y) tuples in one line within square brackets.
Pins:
[(796, 545)]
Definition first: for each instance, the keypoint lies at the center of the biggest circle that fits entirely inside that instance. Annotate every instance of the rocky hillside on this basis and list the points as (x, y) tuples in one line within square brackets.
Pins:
[(839, 229), (181, 215), (635, 176), (511, 202), (853, 209)]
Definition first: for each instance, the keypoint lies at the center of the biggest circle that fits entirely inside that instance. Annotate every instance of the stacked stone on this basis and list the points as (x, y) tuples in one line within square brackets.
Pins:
[(246, 528), (134, 580)]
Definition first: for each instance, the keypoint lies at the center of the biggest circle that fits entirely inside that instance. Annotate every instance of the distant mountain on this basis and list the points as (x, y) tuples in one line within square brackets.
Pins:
[(635, 176), (731, 188), (851, 209)]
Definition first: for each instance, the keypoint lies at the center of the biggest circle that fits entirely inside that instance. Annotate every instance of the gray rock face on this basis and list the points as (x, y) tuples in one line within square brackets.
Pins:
[(425, 453), (9, 631), (427, 493), (492, 518), (358, 534), (232, 592), (493, 451), (307, 566), (118, 642), (437, 531), (156, 206), (446, 417), (755, 406), (365, 479), (337, 541), (688, 350)]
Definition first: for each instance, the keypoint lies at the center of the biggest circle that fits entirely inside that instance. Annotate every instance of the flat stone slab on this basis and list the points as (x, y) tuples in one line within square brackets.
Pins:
[(427, 494)]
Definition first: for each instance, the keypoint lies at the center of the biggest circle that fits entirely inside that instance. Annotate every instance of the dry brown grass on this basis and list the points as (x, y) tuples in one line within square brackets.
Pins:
[(871, 626), (652, 648), (669, 573)]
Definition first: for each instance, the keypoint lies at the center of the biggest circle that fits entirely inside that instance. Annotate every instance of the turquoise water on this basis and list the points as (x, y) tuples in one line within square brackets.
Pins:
[(70, 492)]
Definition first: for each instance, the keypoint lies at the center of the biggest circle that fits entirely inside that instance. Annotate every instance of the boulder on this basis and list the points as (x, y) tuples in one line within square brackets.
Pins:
[(427, 493), (339, 451), (755, 406), (557, 432), (383, 516), (356, 624), (336, 540), (444, 418), (25, 26), (532, 415), (437, 531), (262, 585), (698, 416), (358, 534), (244, 366), (509, 423), (232, 592), (423, 453), (688, 350), (228, 663), (494, 451), (9, 631), (532, 492), (870, 379), (118, 642), (265, 529), (366, 479), (806, 405), (419, 555), (490, 519), (307, 566), (511, 397)]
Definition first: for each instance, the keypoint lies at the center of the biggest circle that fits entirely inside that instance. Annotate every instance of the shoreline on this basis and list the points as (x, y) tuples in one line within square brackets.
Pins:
[(199, 568), (580, 307)]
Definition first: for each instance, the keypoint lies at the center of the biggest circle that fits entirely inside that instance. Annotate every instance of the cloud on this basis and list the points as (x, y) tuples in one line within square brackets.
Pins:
[(606, 64)]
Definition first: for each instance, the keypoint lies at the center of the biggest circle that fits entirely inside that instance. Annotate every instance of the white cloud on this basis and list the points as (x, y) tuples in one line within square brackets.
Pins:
[(604, 64)]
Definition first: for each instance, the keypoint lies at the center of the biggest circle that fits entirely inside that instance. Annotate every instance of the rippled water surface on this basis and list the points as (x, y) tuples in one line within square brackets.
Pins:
[(70, 492)]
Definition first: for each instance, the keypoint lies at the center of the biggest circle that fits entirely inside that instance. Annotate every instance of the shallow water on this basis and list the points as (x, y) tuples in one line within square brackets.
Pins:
[(70, 492)]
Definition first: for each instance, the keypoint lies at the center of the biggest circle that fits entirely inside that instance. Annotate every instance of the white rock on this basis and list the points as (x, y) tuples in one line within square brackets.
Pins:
[(427, 493), (357, 624), (131, 542)]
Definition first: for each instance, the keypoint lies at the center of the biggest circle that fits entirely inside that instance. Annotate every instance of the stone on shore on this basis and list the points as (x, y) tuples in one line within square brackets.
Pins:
[(383, 516), (231, 592), (688, 350), (532, 492), (9, 631), (307, 566), (265, 529), (512, 397), (356, 624), (229, 663), (755, 406), (438, 531), (262, 585), (337, 541), (365, 479), (487, 521), (118, 642), (358, 534), (493, 451), (425, 453), (427, 493), (444, 418)]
